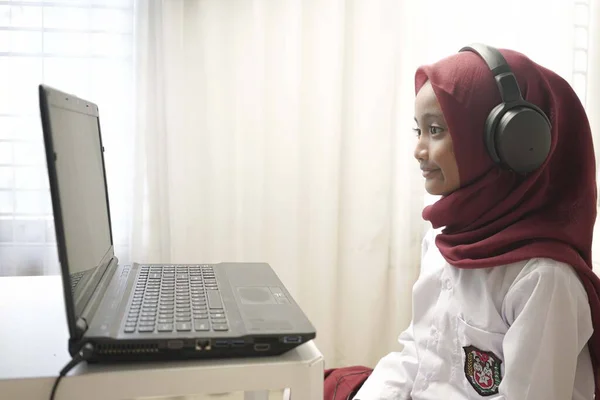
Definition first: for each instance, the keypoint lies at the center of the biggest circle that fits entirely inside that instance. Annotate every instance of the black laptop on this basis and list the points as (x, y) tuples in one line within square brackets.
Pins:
[(148, 312)]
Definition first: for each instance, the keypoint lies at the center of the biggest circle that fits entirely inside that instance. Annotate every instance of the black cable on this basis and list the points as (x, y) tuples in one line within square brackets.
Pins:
[(84, 354), (337, 383)]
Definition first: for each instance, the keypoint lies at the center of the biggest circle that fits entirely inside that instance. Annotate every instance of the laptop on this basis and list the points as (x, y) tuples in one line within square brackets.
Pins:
[(141, 311)]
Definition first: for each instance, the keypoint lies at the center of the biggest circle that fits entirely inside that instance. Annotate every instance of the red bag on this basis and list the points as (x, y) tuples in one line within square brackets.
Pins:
[(344, 383)]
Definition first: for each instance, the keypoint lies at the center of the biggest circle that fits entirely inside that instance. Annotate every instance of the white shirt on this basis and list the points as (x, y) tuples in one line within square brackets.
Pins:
[(518, 331)]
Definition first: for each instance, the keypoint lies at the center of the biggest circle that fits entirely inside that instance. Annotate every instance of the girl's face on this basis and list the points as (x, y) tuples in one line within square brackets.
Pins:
[(434, 150)]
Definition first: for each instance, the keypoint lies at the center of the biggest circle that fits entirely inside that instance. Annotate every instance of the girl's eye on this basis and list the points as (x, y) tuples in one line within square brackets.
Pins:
[(434, 130), (417, 131)]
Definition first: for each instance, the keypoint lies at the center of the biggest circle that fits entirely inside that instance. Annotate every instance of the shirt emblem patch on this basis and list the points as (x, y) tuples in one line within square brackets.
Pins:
[(482, 370)]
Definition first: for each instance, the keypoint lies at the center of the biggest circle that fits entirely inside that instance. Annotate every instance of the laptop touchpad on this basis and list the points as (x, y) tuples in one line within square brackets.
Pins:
[(256, 295)]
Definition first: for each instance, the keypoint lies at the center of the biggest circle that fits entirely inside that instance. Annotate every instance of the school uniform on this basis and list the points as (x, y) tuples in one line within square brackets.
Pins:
[(512, 332)]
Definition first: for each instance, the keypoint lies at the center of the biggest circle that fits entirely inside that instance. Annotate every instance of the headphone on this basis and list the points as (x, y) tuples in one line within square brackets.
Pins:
[(517, 133)]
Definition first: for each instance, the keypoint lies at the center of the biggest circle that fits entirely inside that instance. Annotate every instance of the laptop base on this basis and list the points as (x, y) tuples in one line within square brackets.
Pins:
[(186, 349)]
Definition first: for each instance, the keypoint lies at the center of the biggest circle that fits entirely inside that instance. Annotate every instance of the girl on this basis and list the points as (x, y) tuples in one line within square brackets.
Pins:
[(506, 305)]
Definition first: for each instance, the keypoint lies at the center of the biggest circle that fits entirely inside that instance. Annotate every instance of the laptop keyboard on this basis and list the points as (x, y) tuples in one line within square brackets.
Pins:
[(176, 298), (75, 278)]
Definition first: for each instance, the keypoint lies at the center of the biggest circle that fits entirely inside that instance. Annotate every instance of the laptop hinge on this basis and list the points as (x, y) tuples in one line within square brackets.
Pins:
[(82, 323), (81, 326)]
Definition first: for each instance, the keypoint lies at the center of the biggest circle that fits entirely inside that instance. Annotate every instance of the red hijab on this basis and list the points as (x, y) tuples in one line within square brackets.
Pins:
[(497, 217)]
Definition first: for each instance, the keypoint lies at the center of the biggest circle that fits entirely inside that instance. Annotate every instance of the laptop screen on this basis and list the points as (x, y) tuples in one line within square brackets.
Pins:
[(81, 211)]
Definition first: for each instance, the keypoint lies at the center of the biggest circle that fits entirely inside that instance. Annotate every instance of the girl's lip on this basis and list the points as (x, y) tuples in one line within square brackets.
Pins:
[(429, 172)]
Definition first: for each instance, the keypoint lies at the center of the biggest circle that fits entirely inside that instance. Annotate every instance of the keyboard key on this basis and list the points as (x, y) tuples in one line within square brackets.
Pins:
[(146, 328), (183, 326), (214, 299), (220, 327), (201, 325), (129, 329), (165, 327)]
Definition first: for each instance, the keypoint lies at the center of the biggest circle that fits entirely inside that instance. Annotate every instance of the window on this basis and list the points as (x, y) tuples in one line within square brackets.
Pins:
[(581, 48), (84, 47)]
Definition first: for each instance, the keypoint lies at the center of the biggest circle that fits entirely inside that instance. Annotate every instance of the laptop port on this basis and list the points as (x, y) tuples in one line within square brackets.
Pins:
[(202, 344), (238, 343), (292, 339), (221, 343), (262, 346)]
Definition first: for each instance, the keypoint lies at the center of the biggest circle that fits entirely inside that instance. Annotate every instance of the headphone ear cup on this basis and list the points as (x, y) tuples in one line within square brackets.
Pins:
[(522, 139), (490, 129)]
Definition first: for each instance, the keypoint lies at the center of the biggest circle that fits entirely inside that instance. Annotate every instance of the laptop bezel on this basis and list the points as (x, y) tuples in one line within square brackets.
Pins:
[(48, 97)]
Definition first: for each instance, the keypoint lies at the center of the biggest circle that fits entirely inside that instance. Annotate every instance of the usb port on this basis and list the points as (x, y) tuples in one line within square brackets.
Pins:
[(221, 343), (238, 343), (292, 339)]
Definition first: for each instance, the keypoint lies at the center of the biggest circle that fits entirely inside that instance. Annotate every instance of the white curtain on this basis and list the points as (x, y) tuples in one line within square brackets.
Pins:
[(279, 131)]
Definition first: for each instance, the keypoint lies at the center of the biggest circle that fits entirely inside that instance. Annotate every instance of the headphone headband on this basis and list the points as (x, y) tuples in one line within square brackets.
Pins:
[(505, 79)]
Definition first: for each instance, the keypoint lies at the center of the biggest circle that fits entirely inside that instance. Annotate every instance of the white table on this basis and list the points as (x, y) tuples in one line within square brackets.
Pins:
[(33, 349)]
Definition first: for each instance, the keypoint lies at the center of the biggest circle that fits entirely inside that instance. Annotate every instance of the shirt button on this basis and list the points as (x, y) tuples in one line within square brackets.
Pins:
[(447, 284)]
